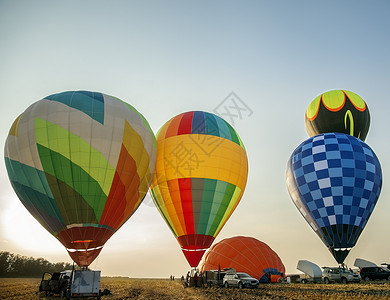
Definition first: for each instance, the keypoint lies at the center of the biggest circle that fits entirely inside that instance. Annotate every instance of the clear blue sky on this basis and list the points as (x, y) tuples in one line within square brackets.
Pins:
[(167, 57)]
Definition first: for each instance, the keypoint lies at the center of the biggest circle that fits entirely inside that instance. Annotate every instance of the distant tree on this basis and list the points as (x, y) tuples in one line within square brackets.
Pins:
[(15, 265)]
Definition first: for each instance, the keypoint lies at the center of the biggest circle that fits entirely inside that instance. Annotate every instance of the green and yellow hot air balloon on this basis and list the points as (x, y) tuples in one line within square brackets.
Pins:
[(81, 163)]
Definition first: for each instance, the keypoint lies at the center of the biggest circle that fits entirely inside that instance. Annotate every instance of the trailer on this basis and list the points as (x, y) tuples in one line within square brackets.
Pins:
[(312, 272), (214, 277), (71, 284)]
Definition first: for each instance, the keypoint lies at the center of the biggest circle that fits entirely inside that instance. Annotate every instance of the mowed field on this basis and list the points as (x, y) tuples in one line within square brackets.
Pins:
[(125, 288)]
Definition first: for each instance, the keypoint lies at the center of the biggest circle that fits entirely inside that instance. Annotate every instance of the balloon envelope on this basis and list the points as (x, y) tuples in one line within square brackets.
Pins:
[(338, 111), (81, 163), (201, 173), (335, 180), (244, 254)]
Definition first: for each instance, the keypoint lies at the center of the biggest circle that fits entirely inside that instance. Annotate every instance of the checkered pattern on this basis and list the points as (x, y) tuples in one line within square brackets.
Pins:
[(335, 181)]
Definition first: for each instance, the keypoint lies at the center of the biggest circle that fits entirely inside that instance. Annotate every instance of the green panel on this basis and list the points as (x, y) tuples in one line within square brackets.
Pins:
[(197, 195), (227, 196), (77, 150), (66, 171), (207, 203), (74, 209), (234, 135)]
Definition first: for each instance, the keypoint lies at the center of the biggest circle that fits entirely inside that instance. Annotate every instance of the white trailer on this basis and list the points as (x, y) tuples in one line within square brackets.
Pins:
[(313, 273), (84, 283)]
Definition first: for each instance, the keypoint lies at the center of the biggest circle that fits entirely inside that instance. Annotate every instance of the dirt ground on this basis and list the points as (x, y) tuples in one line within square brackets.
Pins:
[(158, 289)]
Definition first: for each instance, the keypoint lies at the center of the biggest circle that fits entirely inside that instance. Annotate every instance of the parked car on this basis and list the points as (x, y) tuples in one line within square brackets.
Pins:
[(338, 274), (372, 273), (240, 280)]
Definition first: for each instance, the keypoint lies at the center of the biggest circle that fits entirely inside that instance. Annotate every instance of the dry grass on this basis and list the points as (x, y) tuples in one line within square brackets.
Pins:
[(156, 289)]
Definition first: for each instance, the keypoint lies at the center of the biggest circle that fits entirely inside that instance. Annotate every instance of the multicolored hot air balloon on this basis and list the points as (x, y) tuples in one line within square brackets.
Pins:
[(81, 163), (335, 180), (338, 111), (245, 254), (201, 173)]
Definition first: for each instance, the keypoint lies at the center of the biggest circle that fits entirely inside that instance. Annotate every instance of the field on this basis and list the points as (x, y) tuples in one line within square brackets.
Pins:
[(156, 289)]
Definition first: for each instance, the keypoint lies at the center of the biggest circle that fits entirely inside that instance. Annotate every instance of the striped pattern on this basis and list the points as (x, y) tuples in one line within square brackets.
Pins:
[(81, 163), (201, 173)]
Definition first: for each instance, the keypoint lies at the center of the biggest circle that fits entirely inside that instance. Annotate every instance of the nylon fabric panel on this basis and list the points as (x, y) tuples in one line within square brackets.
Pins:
[(220, 159), (197, 195), (75, 149), (14, 128), (134, 145), (185, 124), (36, 203), (207, 203), (198, 123), (218, 220), (186, 200), (218, 198), (162, 209), (72, 206), (232, 206), (176, 200), (75, 177), (91, 104)]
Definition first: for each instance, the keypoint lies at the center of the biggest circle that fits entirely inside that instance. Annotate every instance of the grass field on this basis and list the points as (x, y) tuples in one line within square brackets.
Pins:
[(156, 289)]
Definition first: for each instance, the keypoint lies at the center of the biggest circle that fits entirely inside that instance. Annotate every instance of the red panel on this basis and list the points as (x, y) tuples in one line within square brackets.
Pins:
[(193, 257), (195, 241), (115, 204), (186, 203), (84, 237), (186, 123), (84, 258), (120, 201)]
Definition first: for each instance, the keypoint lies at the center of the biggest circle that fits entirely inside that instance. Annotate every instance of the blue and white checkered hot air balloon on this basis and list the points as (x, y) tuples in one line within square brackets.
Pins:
[(335, 180)]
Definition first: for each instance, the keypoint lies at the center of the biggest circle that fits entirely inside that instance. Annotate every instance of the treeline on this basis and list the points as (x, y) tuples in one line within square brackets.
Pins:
[(15, 265)]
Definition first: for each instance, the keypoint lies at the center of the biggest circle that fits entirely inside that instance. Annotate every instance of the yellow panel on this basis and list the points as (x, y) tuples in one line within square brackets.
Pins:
[(14, 128), (184, 157), (333, 100)]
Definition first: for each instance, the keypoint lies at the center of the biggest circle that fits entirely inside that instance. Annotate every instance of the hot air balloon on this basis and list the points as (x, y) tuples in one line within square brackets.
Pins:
[(338, 111), (201, 173), (244, 254), (81, 163), (335, 180)]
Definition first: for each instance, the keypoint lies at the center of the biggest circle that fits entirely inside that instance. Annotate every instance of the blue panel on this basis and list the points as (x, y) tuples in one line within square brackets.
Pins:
[(89, 103), (198, 123)]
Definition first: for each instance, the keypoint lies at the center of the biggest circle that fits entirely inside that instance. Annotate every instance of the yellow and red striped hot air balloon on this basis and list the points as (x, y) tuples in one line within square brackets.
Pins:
[(201, 173), (81, 163)]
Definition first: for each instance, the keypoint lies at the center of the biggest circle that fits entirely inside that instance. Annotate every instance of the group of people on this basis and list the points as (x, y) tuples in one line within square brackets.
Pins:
[(194, 280)]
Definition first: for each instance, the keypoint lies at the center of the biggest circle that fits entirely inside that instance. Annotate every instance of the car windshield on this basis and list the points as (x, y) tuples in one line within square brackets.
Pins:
[(243, 275)]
